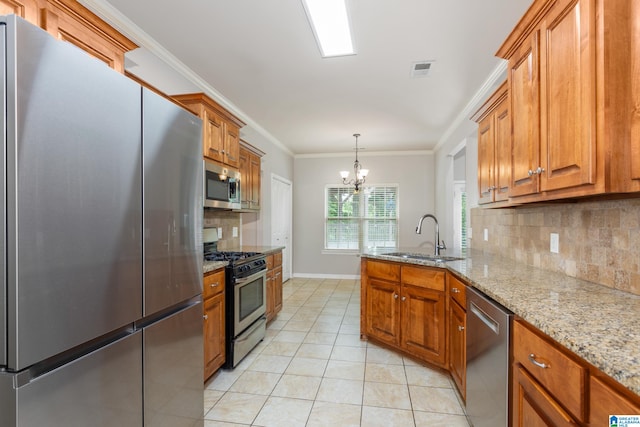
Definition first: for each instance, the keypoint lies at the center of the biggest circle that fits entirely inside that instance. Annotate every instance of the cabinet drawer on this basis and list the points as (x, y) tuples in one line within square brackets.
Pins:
[(383, 270), (562, 376), (213, 284), (277, 259), (458, 290), (423, 277)]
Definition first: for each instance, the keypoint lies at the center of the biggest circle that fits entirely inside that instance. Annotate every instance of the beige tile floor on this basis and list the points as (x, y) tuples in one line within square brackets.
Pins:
[(313, 370)]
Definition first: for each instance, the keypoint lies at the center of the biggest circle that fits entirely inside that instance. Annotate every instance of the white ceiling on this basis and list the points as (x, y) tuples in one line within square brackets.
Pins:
[(260, 59)]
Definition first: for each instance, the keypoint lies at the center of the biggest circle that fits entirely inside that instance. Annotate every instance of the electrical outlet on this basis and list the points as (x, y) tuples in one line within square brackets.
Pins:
[(219, 232), (486, 234), (235, 232), (554, 245), (470, 233)]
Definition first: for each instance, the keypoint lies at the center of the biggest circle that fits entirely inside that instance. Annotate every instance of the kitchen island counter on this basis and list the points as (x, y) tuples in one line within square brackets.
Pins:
[(597, 323)]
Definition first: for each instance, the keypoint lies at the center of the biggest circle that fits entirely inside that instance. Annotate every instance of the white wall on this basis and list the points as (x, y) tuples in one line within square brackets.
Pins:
[(413, 172), (256, 227)]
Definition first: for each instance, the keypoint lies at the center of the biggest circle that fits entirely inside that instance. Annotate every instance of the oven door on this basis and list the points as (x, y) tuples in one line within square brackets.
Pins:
[(250, 302)]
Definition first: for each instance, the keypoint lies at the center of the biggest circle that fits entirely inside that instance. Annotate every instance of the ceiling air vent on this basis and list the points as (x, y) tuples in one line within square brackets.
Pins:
[(421, 69)]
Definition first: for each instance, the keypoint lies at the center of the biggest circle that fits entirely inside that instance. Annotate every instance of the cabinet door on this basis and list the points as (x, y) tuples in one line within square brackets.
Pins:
[(458, 346), (525, 117), (533, 406), (27, 9), (213, 136), (245, 177), (634, 142), (382, 308), (254, 172), (68, 20), (423, 323), (606, 401), (486, 156), (231, 145), (270, 295), (502, 152), (567, 94), (214, 340), (277, 290)]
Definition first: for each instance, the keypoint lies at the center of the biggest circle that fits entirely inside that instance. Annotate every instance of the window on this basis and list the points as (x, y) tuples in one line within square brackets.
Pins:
[(459, 216), (367, 219)]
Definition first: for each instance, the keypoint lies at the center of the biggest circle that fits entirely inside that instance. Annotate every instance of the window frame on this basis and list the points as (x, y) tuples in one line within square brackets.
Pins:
[(361, 218)]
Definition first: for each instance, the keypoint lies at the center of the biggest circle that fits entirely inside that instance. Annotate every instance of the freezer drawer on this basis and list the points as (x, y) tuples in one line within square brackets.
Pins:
[(173, 367), (100, 389)]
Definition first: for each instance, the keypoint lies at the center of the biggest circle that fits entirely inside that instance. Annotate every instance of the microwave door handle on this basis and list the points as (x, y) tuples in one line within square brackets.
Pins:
[(251, 278)]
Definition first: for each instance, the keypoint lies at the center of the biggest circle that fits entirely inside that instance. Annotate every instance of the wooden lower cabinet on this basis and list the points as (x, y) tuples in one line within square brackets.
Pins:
[(605, 400), (274, 285), (404, 307), (554, 387), (533, 406), (458, 346), (214, 322)]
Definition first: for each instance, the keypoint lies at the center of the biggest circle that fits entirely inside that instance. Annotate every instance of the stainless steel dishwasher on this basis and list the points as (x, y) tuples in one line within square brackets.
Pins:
[(488, 329)]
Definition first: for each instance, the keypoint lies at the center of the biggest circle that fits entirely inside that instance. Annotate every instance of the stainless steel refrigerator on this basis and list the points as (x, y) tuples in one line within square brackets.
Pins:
[(100, 300)]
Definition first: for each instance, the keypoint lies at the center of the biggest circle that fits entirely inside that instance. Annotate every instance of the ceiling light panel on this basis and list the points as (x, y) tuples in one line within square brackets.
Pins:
[(330, 24)]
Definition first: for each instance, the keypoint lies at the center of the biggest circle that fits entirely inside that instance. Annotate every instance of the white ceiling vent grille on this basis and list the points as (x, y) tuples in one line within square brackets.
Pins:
[(421, 69)]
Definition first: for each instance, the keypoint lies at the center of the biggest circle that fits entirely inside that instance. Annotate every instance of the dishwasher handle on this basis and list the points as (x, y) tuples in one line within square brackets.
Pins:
[(486, 319)]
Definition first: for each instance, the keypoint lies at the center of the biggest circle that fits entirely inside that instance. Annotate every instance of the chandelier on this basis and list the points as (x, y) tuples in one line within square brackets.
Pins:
[(359, 174)]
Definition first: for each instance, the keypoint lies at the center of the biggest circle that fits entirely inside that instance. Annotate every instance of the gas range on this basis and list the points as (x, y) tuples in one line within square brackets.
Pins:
[(241, 264)]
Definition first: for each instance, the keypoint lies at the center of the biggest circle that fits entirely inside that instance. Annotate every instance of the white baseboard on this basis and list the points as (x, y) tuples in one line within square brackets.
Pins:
[(325, 276)]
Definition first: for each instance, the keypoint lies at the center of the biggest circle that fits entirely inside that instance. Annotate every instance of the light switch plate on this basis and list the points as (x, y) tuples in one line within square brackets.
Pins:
[(486, 234), (235, 232), (219, 232), (554, 243)]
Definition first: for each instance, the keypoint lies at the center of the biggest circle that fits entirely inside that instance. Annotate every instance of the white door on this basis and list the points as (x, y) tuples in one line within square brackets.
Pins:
[(281, 213)]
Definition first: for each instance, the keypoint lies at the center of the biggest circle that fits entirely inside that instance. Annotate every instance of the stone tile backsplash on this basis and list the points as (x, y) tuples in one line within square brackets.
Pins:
[(227, 221), (599, 241)]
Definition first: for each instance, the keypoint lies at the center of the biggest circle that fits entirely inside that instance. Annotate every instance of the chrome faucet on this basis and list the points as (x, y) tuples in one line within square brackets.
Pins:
[(437, 244)]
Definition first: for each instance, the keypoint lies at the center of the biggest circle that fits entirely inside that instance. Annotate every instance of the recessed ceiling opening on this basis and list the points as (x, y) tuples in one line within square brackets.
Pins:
[(421, 68)]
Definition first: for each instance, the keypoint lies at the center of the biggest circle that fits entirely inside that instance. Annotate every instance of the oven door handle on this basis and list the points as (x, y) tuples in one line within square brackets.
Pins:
[(250, 278)]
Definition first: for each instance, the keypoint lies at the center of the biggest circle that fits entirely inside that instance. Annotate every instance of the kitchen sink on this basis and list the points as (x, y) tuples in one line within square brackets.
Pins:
[(423, 257)]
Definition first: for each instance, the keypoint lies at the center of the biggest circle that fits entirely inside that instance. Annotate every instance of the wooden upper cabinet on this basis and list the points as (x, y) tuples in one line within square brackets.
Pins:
[(494, 147), (567, 88), (68, 20), (523, 80), (250, 177), (27, 9), (221, 133)]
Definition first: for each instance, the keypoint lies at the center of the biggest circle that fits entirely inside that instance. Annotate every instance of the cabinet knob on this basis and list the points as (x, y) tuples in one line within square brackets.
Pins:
[(461, 328), (395, 296), (539, 170), (205, 317), (531, 172), (455, 290), (404, 298)]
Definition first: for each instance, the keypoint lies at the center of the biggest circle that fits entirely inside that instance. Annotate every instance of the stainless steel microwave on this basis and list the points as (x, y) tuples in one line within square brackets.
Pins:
[(221, 187)]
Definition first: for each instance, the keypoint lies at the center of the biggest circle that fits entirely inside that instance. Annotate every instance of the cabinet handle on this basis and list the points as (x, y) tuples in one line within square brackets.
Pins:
[(455, 290), (532, 359), (395, 296), (461, 328), (213, 285), (205, 317)]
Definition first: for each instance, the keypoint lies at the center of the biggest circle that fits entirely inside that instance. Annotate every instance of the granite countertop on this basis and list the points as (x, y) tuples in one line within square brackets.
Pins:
[(209, 266), (597, 323)]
